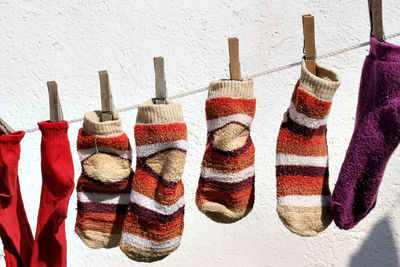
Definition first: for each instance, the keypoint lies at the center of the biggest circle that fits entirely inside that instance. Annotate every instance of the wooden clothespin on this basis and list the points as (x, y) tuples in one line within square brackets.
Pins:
[(5, 128), (56, 114), (234, 63), (376, 20), (309, 43), (107, 104), (161, 87)]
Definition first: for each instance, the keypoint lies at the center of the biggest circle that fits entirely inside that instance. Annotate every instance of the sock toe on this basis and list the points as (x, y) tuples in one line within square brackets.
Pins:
[(303, 221), (142, 255), (96, 239), (220, 213)]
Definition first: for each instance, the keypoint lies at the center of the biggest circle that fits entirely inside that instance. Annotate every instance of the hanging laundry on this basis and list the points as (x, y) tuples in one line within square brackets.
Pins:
[(376, 135), (154, 224), (105, 182), (50, 245), (225, 192), (15, 231), (302, 174)]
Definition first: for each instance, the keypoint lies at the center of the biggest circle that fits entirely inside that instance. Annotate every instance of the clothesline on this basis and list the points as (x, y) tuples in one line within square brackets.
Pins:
[(256, 75)]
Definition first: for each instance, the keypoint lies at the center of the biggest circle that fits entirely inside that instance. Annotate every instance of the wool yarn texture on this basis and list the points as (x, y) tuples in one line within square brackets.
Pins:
[(302, 174), (105, 183), (225, 191), (15, 231), (154, 224), (50, 245), (375, 137)]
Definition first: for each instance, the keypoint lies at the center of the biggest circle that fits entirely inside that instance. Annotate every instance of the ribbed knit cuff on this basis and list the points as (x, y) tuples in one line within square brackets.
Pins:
[(231, 88), (53, 130), (92, 124), (323, 85), (12, 138), (148, 112)]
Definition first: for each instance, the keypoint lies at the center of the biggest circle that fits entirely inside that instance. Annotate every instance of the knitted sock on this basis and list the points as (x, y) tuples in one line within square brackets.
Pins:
[(302, 154), (15, 231), (104, 185), (376, 135), (226, 186), (50, 246), (154, 224)]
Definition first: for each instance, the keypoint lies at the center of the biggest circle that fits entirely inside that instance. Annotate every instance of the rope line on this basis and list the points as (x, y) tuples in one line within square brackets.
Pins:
[(254, 76)]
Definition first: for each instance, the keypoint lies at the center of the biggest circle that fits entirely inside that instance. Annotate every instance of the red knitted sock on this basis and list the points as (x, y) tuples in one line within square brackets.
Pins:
[(50, 246), (15, 231)]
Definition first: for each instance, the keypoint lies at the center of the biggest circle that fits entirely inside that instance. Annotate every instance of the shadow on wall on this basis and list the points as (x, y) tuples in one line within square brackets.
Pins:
[(379, 249)]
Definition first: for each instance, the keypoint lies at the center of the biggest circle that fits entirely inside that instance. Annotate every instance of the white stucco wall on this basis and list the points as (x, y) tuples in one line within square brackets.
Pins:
[(70, 41)]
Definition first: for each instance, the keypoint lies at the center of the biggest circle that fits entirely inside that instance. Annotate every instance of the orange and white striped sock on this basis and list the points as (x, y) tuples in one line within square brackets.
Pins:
[(104, 185), (226, 186), (154, 223), (303, 195)]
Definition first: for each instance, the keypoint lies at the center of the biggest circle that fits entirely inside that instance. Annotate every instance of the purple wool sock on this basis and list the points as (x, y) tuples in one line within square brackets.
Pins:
[(375, 137)]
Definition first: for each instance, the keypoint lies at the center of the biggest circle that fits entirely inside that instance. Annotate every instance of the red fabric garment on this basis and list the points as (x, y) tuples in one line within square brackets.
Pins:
[(50, 246), (15, 231)]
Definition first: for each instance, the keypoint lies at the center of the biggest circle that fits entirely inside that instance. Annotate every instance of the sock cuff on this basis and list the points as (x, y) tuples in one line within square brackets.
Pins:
[(53, 130), (92, 124), (322, 85), (12, 138), (384, 51), (150, 113), (231, 88)]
